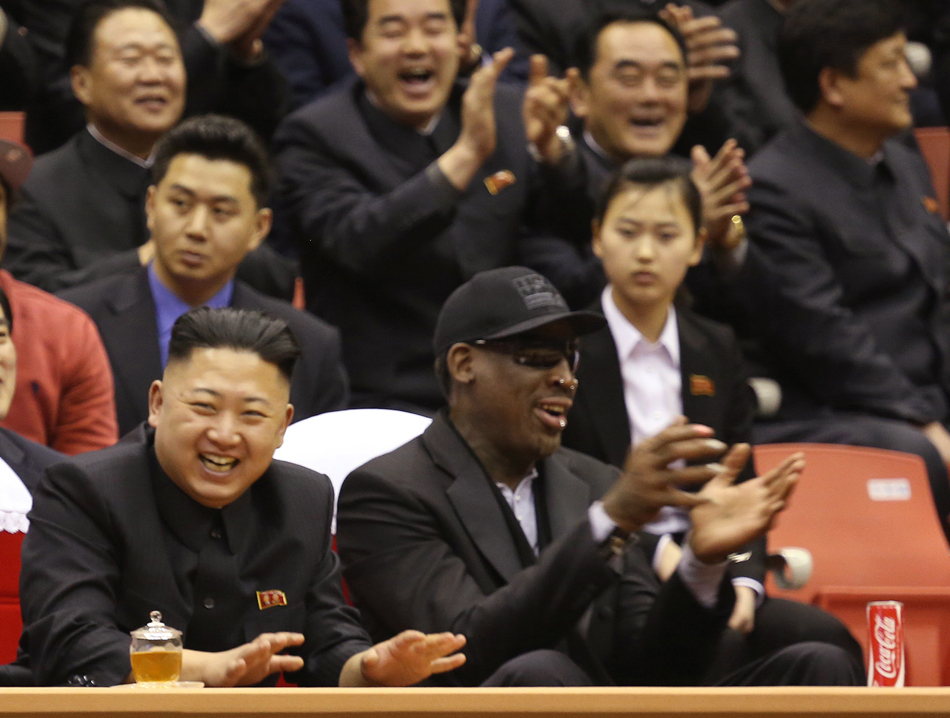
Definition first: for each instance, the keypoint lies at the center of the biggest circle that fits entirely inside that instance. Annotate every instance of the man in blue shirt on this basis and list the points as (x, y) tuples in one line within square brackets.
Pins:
[(205, 213)]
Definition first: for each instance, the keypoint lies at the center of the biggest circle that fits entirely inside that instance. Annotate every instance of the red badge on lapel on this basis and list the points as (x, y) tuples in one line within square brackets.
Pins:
[(269, 599), (931, 205), (498, 181), (700, 385)]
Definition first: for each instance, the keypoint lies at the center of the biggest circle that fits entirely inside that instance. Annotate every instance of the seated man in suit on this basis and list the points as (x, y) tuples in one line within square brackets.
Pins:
[(228, 70), (65, 396), (485, 526), (206, 211), (82, 214), (402, 184), (654, 362), (858, 315), (193, 518), (307, 40), (632, 99)]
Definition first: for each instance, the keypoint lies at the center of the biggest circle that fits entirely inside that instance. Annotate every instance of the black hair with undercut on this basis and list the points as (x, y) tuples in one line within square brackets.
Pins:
[(830, 33), (238, 329), (216, 137), (356, 15), (585, 49), (651, 172), (7, 311), (86, 18)]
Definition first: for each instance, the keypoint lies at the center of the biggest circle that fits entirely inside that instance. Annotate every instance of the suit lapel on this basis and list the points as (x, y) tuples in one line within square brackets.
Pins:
[(567, 497), (700, 375), (471, 496), (599, 375), (133, 331)]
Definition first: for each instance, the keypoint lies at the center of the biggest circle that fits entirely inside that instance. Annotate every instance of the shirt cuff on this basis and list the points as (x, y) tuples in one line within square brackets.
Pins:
[(601, 525), (702, 579), (754, 585), (209, 38)]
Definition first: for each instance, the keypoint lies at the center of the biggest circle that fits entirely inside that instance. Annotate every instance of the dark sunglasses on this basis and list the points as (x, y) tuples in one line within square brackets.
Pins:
[(540, 354)]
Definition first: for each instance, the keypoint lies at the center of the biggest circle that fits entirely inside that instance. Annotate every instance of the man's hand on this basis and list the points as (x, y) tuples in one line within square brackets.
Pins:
[(469, 50), (708, 46), (244, 665), (546, 105), (940, 438), (722, 181), (404, 660), (239, 24), (743, 613), (727, 515), (476, 142), (648, 483)]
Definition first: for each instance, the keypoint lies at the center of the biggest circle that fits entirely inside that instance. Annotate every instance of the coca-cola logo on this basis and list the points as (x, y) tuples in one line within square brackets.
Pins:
[(885, 634)]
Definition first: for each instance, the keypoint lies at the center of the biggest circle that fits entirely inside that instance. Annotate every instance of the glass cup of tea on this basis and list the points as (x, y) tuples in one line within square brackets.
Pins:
[(156, 652)]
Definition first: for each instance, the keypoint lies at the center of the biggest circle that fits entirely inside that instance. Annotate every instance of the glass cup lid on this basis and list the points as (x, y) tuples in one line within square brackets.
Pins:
[(155, 630)]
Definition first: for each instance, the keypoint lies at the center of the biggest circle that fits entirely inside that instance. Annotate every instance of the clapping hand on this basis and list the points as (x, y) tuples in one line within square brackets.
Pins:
[(729, 515)]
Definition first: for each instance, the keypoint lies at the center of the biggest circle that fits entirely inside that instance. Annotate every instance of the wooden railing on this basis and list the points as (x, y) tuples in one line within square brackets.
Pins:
[(129, 701)]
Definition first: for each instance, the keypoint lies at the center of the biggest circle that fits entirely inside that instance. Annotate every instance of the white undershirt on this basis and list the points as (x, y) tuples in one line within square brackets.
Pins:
[(15, 501)]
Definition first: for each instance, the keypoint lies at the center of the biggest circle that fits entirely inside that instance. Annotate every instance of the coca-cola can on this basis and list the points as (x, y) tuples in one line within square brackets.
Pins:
[(886, 644)]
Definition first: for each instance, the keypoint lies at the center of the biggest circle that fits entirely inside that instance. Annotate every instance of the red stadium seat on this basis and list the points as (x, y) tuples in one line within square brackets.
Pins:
[(11, 624), (11, 126), (868, 519), (934, 144)]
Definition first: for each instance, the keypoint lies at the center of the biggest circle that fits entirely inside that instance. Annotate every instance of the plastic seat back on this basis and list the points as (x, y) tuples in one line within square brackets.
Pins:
[(869, 521), (934, 143), (337, 442)]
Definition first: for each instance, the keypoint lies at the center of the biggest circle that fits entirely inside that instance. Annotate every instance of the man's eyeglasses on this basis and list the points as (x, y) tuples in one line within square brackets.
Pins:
[(541, 354)]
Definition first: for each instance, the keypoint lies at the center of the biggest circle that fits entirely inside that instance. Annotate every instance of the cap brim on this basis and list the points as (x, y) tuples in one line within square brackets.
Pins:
[(582, 322)]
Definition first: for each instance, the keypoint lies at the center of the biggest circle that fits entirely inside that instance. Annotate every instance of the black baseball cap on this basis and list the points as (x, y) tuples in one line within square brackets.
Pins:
[(504, 302), (16, 161)]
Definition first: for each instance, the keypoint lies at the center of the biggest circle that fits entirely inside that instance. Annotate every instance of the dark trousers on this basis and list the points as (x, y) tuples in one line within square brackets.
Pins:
[(863, 430), (792, 644)]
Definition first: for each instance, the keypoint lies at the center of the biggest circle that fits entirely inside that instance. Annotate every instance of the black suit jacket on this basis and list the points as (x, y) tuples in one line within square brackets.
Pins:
[(425, 543), (100, 556), (124, 311), (27, 458), (858, 316), (598, 424), (385, 238), (753, 97)]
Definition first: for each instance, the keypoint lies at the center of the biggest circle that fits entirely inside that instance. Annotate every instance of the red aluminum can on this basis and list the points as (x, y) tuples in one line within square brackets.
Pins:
[(886, 644)]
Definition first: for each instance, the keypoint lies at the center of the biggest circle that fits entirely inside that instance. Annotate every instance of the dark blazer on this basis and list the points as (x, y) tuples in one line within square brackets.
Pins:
[(27, 458), (425, 544), (861, 315), (384, 238), (19, 74), (102, 552), (124, 310), (598, 424), (82, 217), (753, 97)]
